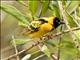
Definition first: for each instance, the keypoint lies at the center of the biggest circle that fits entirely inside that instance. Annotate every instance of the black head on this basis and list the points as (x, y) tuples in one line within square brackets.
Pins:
[(56, 22)]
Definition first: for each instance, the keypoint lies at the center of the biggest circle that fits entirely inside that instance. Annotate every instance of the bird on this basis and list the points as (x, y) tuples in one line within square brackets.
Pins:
[(41, 26)]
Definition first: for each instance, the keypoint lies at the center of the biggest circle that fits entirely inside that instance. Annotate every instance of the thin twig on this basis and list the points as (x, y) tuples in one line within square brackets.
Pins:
[(54, 35), (15, 47), (62, 30), (59, 48), (53, 56)]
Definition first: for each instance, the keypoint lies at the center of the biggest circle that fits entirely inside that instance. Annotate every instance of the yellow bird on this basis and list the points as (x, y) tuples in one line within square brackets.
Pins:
[(42, 26)]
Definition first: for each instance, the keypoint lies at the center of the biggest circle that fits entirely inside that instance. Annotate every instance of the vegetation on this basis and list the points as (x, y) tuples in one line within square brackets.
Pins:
[(63, 44)]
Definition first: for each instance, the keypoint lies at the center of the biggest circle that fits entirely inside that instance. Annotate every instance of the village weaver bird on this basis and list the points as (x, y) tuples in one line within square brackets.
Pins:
[(40, 27)]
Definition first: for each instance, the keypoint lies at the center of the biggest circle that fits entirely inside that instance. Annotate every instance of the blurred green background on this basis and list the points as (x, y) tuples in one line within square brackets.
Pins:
[(16, 15)]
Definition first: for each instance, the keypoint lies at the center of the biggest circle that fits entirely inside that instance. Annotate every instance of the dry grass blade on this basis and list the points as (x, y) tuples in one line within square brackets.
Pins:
[(17, 57)]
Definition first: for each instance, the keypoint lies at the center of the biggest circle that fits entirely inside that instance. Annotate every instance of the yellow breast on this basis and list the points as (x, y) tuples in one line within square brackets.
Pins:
[(45, 28)]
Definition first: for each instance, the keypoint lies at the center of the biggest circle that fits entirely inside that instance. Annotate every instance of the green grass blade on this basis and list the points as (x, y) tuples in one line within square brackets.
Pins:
[(14, 12), (44, 8), (33, 5), (70, 20), (72, 6), (55, 10)]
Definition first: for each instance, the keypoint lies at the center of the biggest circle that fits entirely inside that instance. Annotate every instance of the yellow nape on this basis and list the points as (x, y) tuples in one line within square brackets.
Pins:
[(50, 20)]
